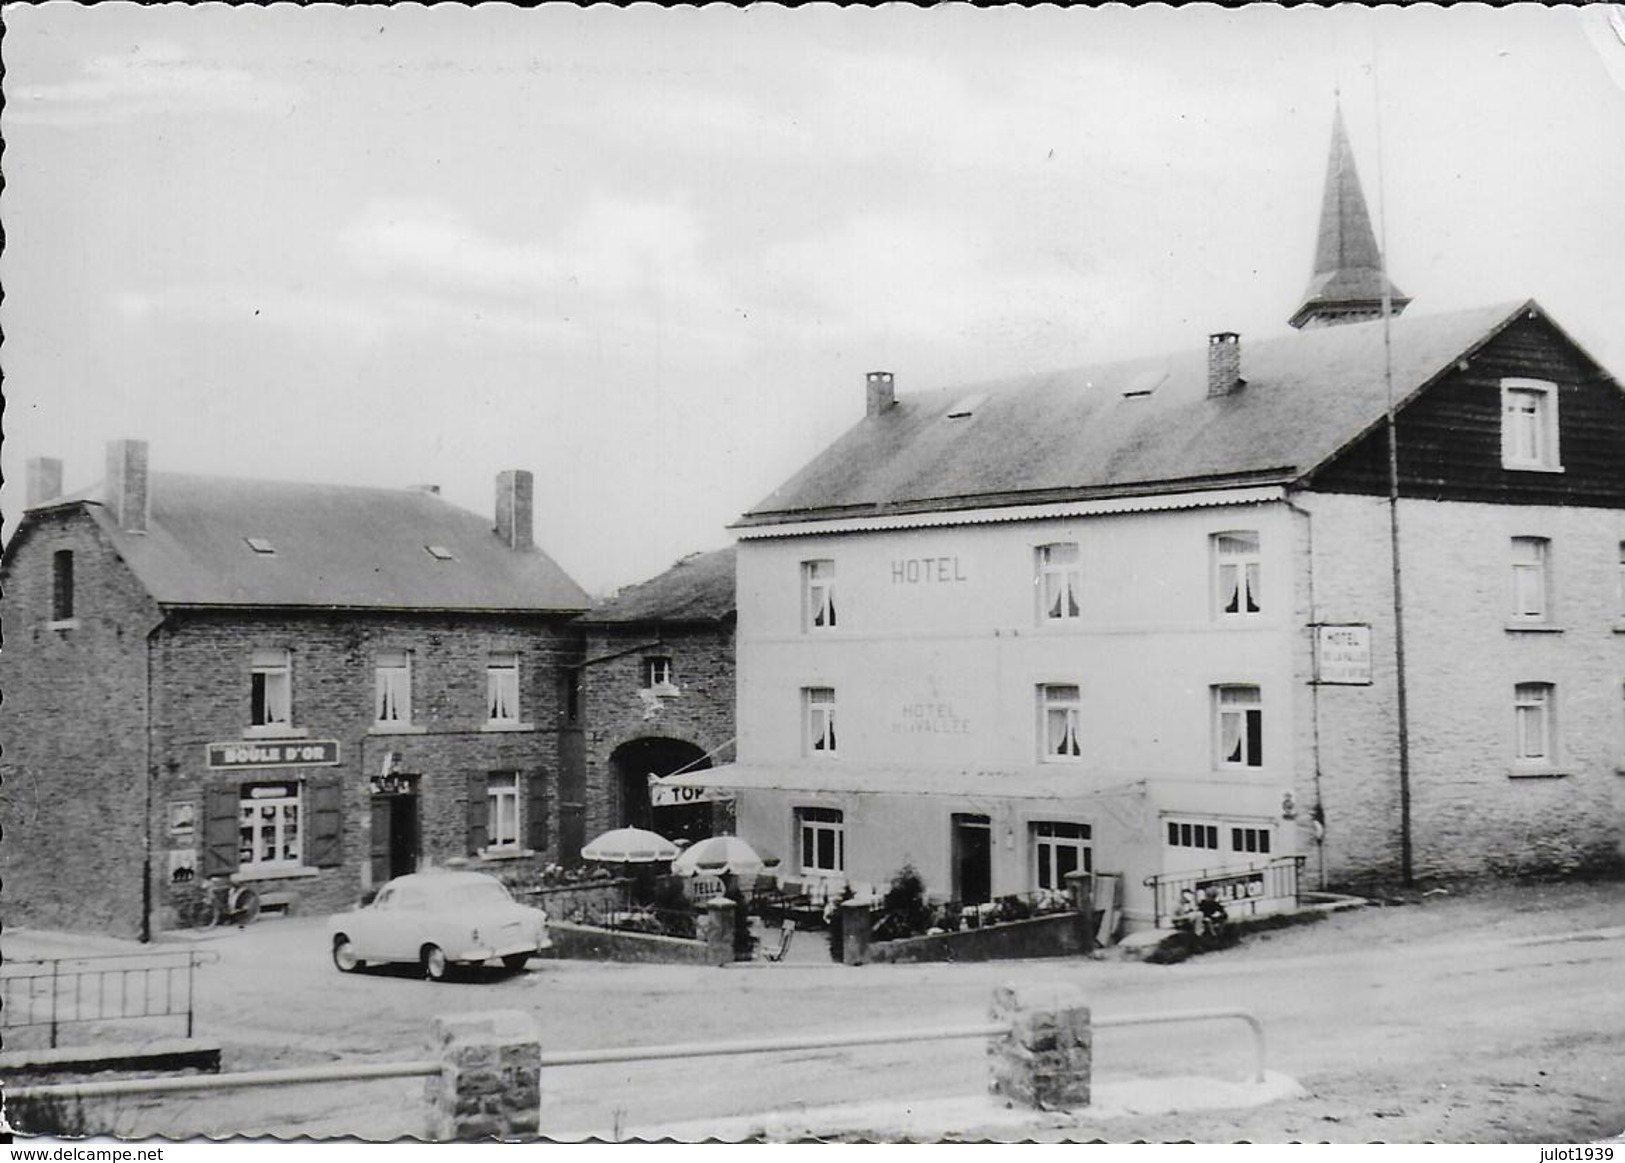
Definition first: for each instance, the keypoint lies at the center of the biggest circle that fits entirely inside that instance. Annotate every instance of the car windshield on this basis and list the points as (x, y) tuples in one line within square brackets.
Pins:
[(476, 895)]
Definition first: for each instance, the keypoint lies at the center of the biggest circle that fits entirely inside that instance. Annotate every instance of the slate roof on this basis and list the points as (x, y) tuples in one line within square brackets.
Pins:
[(1075, 434), (335, 546), (699, 588)]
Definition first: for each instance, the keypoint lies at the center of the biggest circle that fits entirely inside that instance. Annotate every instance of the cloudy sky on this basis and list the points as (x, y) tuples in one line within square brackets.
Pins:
[(650, 254)]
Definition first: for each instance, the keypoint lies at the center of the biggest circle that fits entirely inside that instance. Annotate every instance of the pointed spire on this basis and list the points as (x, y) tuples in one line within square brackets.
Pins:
[(1348, 278)]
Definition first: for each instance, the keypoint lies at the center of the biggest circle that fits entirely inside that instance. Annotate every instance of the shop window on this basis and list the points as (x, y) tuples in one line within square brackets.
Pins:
[(270, 689), (1239, 726), (1059, 848), (1237, 569), (1536, 723), (502, 688), (268, 821), (502, 810), (62, 585), (818, 595), (1529, 432), (1531, 579), (1250, 840), (1058, 710), (818, 720), (1059, 582), (393, 688), (1188, 835), (823, 841)]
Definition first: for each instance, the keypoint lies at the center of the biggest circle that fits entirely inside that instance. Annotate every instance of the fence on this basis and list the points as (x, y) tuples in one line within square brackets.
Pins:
[(1244, 890), (56, 992)]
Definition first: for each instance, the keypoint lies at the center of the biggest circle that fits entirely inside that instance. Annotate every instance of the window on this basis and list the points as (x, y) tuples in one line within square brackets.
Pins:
[(1058, 708), (817, 595), (1536, 724), (270, 689), (1059, 580), (1250, 840), (268, 827), (1236, 573), (261, 546), (1619, 605), (393, 687), (502, 688), (502, 809), (656, 673), (1529, 425), (62, 585), (823, 841), (1531, 558), (1185, 835), (1058, 849), (818, 716), (1239, 722)]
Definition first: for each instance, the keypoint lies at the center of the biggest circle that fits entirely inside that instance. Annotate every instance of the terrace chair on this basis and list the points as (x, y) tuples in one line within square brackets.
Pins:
[(787, 933)]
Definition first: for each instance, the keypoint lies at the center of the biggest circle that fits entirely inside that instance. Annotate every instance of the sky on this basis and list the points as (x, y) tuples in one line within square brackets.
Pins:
[(649, 254)]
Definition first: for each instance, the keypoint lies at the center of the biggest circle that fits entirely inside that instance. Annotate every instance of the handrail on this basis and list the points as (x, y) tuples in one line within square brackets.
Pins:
[(74, 990), (294, 1076), (1253, 1023)]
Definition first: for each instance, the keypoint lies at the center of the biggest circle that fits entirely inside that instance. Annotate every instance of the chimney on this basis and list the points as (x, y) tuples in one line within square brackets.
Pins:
[(127, 484), (882, 393), (44, 481), (1223, 363), (514, 509)]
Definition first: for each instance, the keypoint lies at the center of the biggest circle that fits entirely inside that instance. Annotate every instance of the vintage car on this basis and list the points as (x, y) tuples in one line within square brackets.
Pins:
[(439, 920)]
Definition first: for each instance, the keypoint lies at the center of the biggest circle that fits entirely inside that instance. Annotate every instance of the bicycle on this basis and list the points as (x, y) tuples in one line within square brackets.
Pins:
[(217, 901)]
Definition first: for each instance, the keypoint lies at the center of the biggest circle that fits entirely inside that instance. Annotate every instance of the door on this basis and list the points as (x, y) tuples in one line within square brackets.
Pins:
[(394, 837), (973, 859)]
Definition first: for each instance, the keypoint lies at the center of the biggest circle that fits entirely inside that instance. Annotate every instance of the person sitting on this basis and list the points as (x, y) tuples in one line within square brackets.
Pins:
[(1214, 914), (1185, 914)]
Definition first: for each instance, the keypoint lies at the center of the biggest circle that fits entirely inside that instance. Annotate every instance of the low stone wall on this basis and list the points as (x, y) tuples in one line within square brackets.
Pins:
[(561, 901), (585, 943), (1057, 935)]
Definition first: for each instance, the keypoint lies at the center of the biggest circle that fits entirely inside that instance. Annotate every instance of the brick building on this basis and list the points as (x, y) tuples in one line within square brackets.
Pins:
[(658, 688), (1142, 617), (307, 688)]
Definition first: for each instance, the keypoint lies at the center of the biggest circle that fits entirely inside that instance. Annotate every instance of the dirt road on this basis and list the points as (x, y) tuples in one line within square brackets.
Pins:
[(1494, 1018)]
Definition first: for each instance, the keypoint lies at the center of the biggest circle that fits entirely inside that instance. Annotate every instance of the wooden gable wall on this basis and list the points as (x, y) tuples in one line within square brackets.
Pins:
[(1450, 436)]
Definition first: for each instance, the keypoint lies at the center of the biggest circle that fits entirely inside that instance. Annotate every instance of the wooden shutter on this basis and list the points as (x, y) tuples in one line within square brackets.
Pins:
[(220, 809), (478, 814), (536, 810), (326, 807)]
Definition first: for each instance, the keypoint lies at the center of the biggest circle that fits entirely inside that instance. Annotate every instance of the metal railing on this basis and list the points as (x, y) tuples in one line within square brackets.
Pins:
[(1241, 888), (61, 991)]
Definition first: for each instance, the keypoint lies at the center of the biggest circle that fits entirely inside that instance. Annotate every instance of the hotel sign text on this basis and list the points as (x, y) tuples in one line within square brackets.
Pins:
[(926, 570), (1343, 655), (291, 753)]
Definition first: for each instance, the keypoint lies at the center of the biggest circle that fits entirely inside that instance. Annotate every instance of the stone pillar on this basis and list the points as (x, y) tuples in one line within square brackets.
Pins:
[(857, 927), (717, 929), (490, 1084), (1045, 1061)]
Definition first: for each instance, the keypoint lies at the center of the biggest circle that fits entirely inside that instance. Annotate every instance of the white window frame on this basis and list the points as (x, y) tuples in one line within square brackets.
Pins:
[(1262, 840), (502, 689), (814, 827), (657, 671), (1060, 729), (1529, 431), (818, 612), (818, 721), (1534, 737), (1201, 835), (502, 820), (270, 689), (1047, 842), (270, 815), (1238, 569), (1531, 579), (1058, 579), (1238, 714), (392, 688)]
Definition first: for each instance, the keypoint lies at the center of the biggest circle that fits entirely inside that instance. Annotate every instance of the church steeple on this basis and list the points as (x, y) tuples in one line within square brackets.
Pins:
[(1347, 283)]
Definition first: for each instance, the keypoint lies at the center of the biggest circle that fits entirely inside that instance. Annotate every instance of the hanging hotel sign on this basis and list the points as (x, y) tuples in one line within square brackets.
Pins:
[(291, 753), (1343, 655)]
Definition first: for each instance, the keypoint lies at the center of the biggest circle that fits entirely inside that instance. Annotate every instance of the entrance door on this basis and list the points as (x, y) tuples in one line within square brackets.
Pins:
[(394, 836), (973, 859)]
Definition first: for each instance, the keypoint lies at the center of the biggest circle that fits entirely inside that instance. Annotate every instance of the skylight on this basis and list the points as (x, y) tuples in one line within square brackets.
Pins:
[(440, 553), (261, 545), (967, 406), (1142, 384)]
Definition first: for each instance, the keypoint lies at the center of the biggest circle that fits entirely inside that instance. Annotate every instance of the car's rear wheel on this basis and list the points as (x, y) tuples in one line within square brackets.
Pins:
[(514, 962), (344, 955), (435, 965)]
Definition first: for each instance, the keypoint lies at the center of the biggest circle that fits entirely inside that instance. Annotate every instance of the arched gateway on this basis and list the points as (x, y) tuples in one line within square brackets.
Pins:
[(634, 762)]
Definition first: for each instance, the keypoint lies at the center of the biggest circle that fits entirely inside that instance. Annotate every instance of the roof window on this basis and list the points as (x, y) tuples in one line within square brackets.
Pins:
[(967, 406), (440, 553), (1142, 384), (261, 546)]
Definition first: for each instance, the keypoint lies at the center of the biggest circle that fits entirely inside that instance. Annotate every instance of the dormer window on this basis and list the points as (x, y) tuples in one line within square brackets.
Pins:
[(1529, 434), (261, 546), (439, 553)]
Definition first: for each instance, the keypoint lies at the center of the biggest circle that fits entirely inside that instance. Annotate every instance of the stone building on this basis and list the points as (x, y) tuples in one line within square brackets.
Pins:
[(657, 685), (307, 688), (1142, 617)]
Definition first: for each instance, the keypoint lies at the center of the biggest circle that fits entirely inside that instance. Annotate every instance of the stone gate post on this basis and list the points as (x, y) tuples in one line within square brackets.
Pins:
[(490, 1083), (1045, 1061)]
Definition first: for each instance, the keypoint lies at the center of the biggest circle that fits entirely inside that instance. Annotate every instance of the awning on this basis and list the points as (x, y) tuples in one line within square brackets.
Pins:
[(1018, 783)]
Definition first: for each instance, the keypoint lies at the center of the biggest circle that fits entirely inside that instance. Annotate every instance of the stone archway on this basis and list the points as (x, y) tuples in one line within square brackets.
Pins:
[(633, 762)]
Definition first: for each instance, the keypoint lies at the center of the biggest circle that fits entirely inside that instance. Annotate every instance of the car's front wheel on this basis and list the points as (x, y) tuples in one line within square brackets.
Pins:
[(435, 965), (514, 962), (344, 955)]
